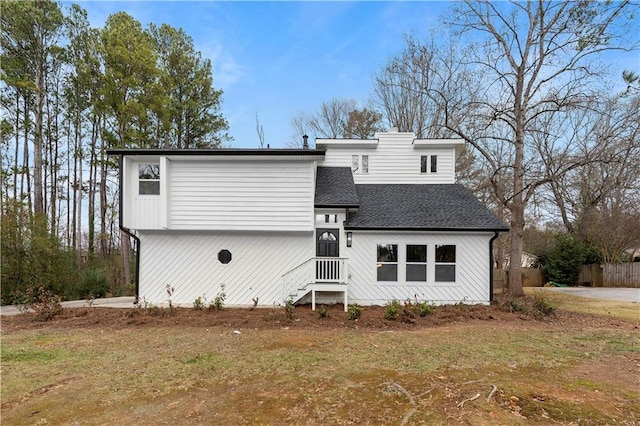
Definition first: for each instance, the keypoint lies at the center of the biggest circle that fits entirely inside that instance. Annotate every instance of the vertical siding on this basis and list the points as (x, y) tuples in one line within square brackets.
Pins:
[(472, 268), (142, 211), (188, 261), (394, 160), (237, 195)]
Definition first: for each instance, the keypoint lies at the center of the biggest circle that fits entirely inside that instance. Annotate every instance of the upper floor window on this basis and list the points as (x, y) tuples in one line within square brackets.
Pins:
[(428, 164), (360, 164), (149, 179)]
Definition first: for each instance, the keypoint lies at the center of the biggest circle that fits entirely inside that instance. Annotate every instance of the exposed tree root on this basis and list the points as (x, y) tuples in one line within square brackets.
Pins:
[(493, 391), (473, 398)]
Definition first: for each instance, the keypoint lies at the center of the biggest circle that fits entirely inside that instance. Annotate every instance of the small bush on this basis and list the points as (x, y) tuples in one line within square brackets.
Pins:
[(323, 311), (199, 303), (289, 307), (517, 305), (354, 312), (218, 302), (391, 310), (541, 304), (43, 302), (425, 308)]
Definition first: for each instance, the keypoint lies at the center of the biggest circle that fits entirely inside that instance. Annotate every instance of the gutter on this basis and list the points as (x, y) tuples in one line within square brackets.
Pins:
[(490, 266), (128, 231)]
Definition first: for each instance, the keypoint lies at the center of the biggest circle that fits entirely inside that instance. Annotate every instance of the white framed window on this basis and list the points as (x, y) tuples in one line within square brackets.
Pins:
[(355, 163), (387, 262), (428, 164), (416, 266), (149, 179), (326, 218), (445, 263), (360, 164)]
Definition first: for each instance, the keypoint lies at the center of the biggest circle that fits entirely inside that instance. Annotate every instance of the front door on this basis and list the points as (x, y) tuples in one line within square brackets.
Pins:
[(327, 243), (327, 246)]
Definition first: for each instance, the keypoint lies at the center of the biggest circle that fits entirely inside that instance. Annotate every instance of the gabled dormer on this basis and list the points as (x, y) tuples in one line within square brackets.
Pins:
[(394, 157)]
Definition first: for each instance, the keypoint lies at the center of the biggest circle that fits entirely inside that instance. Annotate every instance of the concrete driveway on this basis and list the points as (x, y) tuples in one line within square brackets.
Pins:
[(619, 294), (107, 302)]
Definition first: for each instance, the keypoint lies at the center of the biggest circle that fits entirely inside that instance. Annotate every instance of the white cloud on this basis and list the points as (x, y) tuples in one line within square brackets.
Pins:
[(226, 70)]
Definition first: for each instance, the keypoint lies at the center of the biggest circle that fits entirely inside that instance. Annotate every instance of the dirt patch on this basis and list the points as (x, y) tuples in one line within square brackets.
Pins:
[(303, 318)]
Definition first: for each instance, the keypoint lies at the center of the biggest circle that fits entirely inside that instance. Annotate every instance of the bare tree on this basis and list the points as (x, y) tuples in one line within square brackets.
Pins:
[(260, 132), (400, 91), (521, 61)]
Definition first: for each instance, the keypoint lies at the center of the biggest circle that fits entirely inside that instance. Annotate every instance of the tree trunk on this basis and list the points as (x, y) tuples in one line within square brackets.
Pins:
[(38, 202)]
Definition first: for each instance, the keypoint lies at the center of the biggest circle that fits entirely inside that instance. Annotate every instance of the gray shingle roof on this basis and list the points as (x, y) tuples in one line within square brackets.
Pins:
[(429, 206), (335, 187)]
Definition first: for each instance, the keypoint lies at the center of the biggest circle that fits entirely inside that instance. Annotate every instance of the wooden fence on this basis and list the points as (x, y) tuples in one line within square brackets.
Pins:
[(606, 275), (611, 275)]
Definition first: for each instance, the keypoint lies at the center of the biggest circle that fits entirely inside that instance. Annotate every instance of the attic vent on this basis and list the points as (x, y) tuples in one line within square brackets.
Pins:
[(224, 256)]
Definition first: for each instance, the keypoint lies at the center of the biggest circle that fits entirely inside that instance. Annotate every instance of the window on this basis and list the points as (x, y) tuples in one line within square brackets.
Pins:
[(445, 267), (354, 163), (149, 179), (387, 265), (423, 163), (428, 160), (359, 164), (326, 218), (416, 263)]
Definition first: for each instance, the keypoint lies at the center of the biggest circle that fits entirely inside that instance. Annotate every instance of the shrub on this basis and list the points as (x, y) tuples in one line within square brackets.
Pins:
[(218, 302), (93, 283), (289, 307), (43, 302), (354, 312), (199, 303), (323, 311), (517, 305), (562, 262), (391, 310), (541, 304), (423, 308)]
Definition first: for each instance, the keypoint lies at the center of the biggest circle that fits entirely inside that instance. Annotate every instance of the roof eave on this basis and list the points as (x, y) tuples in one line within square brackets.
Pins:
[(337, 206), (216, 152), (419, 228)]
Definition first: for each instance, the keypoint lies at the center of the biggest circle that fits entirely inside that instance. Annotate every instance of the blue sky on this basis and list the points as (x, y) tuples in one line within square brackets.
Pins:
[(277, 59)]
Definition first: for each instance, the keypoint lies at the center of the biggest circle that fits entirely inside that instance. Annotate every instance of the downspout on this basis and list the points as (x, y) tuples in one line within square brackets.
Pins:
[(490, 265), (128, 231)]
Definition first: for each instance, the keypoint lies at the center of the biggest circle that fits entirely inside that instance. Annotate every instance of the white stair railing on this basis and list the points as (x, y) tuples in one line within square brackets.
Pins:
[(316, 270)]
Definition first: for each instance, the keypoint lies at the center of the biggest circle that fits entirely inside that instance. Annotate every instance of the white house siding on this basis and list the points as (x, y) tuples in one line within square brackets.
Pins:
[(240, 195), (188, 261), (472, 268), (394, 160), (142, 211)]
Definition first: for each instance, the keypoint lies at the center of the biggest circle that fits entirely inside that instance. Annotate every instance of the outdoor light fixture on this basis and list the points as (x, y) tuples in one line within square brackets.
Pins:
[(349, 239)]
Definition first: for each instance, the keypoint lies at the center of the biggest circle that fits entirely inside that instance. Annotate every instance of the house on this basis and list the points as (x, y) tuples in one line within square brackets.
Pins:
[(351, 221)]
